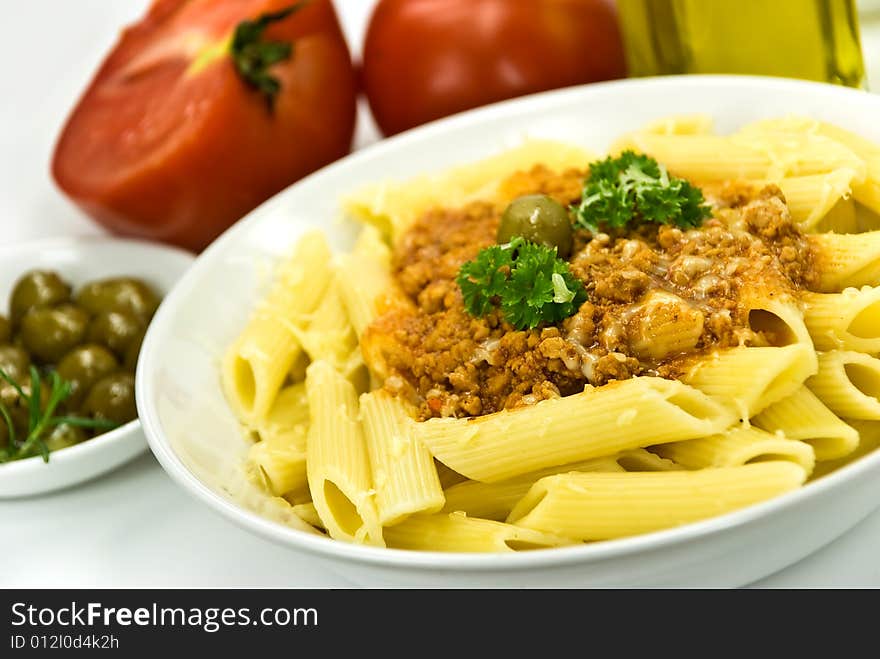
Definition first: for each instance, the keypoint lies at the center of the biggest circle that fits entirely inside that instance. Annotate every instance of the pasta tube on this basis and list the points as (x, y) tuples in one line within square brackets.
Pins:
[(748, 380), (255, 366), (337, 465), (496, 500), (278, 460), (844, 321), (810, 199), (738, 446), (404, 475), (847, 260), (621, 415), (458, 532), (849, 384), (719, 158), (604, 506), (804, 417)]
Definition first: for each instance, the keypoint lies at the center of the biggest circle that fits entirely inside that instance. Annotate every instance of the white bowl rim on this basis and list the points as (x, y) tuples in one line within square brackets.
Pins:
[(586, 553), (97, 443)]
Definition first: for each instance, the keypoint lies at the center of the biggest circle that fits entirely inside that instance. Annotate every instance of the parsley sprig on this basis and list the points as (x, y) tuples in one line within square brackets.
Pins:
[(253, 56), (41, 418), (528, 281), (636, 188)]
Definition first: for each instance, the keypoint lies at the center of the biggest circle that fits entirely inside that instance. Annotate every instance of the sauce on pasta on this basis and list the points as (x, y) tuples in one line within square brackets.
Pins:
[(658, 297)]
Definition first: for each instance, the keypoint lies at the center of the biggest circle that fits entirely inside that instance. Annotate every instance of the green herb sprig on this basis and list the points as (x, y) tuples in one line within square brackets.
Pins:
[(253, 56), (528, 281), (40, 419), (635, 188)]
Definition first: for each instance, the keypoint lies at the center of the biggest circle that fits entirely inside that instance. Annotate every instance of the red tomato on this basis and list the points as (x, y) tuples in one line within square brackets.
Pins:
[(169, 142), (425, 59)]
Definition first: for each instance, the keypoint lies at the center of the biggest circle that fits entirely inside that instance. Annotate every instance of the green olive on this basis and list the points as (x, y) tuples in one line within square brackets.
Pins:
[(14, 361), (133, 352), (50, 333), (37, 289), (64, 435), (112, 398), (18, 407), (115, 329), (5, 329), (539, 219), (124, 294), (83, 367)]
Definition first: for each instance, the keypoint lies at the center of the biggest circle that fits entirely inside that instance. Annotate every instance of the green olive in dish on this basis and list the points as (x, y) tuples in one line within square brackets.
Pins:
[(112, 398), (50, 333), (80, 356), (34, 290), (124, 294), (539, 219), (14, 361), (116, 330), (64, 435), (82, 367)]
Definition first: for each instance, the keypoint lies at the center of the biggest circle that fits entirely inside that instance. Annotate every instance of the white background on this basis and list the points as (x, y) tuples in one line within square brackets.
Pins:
[(134, 527)]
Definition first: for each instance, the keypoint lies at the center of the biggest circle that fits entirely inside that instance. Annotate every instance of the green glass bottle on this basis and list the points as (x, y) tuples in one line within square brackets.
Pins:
[(810, 39)]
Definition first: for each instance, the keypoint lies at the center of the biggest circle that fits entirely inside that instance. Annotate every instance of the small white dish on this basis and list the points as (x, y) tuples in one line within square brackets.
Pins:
[(77, 261), (199, 442)]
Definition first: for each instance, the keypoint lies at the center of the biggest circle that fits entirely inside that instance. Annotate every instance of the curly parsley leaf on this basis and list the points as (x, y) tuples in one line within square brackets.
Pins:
[(528, 281), (636, 188)]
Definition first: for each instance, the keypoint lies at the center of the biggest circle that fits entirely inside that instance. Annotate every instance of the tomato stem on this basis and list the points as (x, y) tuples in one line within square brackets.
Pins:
[(253, 56)]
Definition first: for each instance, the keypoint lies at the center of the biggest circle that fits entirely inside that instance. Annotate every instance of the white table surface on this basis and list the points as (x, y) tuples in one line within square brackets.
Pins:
[(134, 527)]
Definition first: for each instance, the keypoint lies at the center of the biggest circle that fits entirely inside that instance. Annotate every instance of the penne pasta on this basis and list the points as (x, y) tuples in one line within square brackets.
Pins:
[(329, 335), (496, 500), (804, 417), (779, 321), (256, 365), (846, 261), (601, 506), (368, 288), (337, 465), (844, 321), (718, 158), (629, 414), (811, 199), (458, 532), (848, 383), (404, 476), (748, 380), (278, 460), (739, 446)]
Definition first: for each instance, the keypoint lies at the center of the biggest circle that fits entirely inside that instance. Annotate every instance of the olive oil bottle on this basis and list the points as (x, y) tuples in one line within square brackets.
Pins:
[(811, 39)]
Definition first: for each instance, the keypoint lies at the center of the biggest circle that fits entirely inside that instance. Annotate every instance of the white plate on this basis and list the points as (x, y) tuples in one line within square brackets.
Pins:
[(78, 261), (196, 438)]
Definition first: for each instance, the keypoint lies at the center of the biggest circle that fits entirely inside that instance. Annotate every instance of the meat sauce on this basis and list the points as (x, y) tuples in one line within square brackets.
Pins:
[(657, 297)]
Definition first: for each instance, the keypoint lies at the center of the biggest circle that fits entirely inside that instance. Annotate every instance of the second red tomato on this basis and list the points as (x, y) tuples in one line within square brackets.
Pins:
[(425, 59)]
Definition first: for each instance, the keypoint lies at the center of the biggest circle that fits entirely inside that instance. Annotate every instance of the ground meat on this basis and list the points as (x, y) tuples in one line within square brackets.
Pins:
[(639, 285)]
